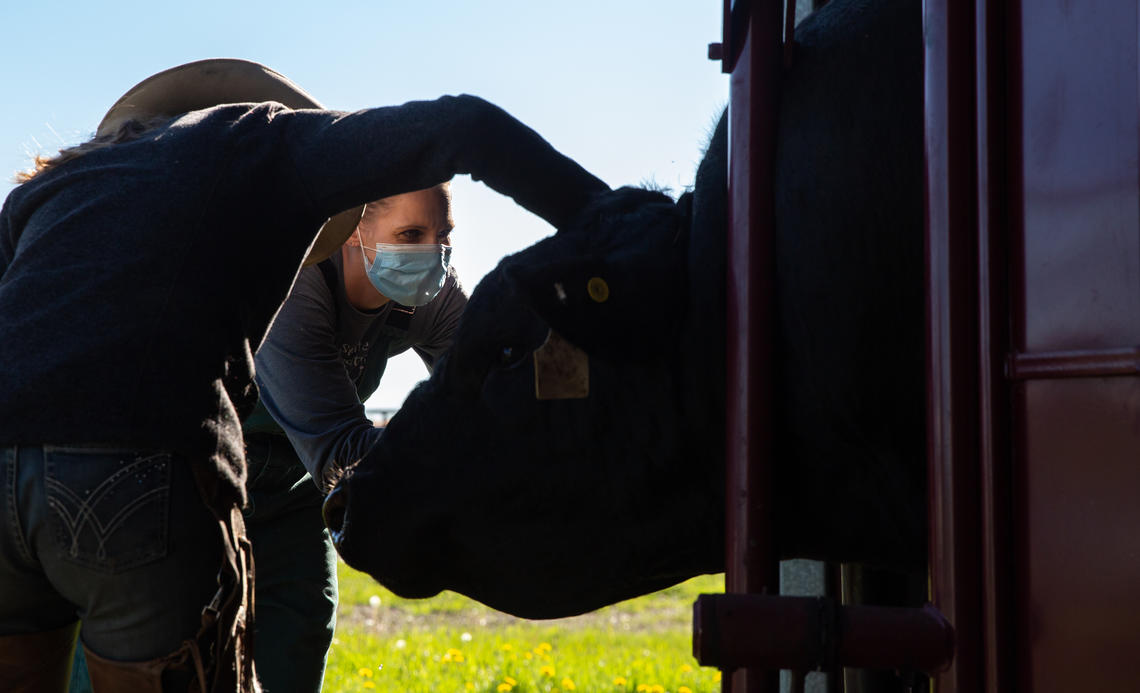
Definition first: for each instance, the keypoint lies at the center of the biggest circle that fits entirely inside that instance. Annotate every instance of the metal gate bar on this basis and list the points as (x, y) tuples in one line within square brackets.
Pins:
[(753, 31)]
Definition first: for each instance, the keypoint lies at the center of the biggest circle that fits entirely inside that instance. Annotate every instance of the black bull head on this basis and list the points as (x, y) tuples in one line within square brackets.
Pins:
[(568, 451)]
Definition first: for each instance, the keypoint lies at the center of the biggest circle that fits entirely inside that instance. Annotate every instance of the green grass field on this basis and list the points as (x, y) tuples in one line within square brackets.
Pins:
[(451, 643)]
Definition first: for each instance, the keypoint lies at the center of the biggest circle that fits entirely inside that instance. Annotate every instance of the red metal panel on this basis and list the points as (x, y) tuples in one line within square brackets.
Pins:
[(1035, 559), (1080, 175), (1078, 535), (1076, 277)]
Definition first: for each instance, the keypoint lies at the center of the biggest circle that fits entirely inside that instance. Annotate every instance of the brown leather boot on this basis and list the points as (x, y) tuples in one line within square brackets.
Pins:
[(37, 662)]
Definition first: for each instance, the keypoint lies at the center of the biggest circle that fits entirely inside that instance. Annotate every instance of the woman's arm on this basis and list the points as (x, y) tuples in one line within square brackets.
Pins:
[(345, 159), (303, 384), (439, 334)]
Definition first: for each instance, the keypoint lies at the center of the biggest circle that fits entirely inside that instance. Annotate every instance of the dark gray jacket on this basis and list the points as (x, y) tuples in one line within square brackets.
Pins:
[(136, 281)]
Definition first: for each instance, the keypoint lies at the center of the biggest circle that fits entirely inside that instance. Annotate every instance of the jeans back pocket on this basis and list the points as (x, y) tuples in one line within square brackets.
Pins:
[(108, 509)]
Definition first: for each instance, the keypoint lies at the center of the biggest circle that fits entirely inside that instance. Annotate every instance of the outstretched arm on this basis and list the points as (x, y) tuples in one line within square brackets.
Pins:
[(346, 159)]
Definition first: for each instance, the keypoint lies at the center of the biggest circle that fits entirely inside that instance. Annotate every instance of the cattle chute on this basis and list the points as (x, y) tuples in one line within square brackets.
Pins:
[(749, 632), (1033, 303)]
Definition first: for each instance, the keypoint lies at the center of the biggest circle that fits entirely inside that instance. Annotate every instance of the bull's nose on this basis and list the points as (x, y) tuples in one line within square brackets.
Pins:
[(335, 509)]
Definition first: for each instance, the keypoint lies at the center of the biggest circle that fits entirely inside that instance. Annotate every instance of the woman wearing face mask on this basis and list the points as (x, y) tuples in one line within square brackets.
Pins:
[(389, 289)]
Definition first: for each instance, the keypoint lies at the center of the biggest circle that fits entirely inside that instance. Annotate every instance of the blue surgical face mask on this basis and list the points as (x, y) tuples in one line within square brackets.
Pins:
[(411, 274)]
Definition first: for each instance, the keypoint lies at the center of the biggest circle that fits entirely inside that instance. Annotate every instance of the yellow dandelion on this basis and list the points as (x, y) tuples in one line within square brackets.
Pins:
[(503, 688), (684, 689), (457, 658), (369, 684), (365, 672), (545, 646), (568, 685), (657, 688), (685, 668), (453, 652), (547, 671), (469, 686), (506, 646), (619, 681), (642, 688), (510, 681), (445, 658)]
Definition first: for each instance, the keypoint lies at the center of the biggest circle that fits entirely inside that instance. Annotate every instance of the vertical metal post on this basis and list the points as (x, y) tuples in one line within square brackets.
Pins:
[(753, 58), (996, 48), (953, 392)]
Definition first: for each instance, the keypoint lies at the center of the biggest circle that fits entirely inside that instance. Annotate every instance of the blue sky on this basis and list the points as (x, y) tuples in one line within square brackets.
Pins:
[(622, 86)]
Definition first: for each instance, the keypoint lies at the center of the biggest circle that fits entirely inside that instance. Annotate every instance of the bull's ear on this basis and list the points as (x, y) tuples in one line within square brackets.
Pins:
[(621, 306)]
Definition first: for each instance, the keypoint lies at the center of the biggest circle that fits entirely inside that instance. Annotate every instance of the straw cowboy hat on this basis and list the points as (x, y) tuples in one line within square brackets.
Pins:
[(207, 83)]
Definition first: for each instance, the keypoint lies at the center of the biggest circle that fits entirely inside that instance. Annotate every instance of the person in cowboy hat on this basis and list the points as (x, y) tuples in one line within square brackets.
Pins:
[(138, 274)]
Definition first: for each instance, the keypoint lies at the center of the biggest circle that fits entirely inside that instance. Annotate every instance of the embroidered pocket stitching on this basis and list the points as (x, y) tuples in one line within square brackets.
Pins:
[(85, 508), (87, 512)]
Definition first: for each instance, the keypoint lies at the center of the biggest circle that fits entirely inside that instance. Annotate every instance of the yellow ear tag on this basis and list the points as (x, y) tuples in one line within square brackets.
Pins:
[(598, 289)]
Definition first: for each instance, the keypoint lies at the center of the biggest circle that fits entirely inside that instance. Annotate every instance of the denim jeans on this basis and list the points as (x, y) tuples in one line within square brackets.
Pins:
[(117, 538), (295, 589)]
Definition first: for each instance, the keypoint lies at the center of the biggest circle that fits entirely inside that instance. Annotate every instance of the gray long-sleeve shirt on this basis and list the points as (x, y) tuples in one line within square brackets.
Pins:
[(323, 357)]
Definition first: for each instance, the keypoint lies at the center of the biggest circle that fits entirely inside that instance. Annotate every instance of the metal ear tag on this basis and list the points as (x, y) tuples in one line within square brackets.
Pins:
[(561, 370)]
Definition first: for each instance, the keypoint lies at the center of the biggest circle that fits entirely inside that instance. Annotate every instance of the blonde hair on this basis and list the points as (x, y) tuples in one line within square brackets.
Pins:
[(129, 130)]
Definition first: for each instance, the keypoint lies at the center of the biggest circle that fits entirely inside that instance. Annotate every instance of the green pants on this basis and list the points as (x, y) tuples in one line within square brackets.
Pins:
[(295, 568), (294, 572)]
